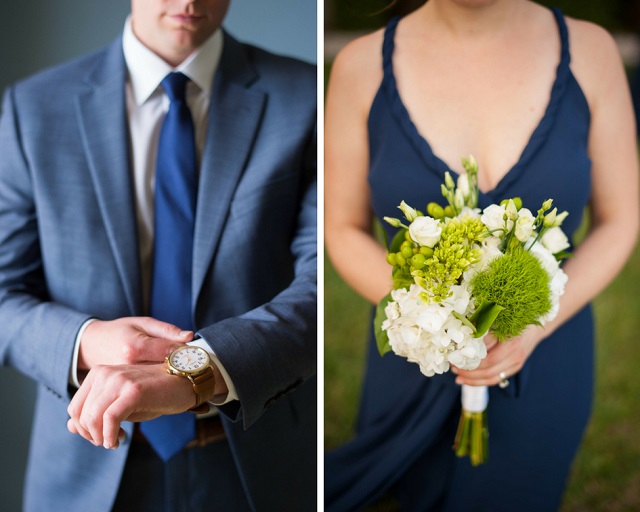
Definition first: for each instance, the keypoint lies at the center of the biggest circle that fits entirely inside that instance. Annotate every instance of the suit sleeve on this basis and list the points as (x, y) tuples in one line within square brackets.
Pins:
[(37, 335), (272, 349)]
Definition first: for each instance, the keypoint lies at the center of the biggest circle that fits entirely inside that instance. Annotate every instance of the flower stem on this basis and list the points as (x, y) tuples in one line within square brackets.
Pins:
[(472, 437)]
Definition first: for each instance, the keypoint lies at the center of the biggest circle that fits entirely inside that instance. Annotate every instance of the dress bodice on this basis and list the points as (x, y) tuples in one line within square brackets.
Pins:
[(554, 163)]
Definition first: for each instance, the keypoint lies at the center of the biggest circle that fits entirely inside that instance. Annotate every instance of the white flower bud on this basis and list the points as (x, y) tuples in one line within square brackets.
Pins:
[(511, 210), (555, 240), (463, 186), (560, 219), (448, 181), (394, 222), (550, 218), (410, 213), (524, 224), (459, 199)]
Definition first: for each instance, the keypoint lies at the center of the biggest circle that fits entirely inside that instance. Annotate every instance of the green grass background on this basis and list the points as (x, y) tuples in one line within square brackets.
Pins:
[(606, 473)]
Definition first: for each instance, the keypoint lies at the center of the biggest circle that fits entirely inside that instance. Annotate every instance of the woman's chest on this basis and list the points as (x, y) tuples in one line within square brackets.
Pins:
[(486, 104)]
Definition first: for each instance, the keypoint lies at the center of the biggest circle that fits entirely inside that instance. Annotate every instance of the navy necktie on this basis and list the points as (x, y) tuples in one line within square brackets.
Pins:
[(175, 205)]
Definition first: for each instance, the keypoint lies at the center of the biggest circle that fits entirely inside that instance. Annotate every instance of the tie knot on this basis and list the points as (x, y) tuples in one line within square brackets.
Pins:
[(174, 85)]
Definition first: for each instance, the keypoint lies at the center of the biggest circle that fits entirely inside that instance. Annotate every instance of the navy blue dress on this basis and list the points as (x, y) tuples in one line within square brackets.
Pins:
[(407, 422)]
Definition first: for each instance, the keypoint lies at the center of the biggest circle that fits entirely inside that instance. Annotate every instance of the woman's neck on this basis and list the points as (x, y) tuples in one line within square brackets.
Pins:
[(472, 18)]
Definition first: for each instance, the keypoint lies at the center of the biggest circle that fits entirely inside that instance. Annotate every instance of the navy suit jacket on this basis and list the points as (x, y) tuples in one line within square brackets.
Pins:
[(69, 251)]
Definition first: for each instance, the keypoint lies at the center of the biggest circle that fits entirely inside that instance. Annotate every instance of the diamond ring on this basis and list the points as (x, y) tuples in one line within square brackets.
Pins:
[(503, 380)]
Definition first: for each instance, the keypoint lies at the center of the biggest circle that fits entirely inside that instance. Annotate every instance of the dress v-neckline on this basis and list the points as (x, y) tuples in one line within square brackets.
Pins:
[(423, 147)]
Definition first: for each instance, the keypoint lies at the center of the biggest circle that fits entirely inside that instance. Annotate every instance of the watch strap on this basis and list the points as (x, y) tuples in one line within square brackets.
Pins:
[(204, 387)]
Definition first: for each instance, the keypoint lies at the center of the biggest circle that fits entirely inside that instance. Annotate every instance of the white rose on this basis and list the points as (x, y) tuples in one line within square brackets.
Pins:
[(555, 240), (425, 231), (493, 217), (524, 224)]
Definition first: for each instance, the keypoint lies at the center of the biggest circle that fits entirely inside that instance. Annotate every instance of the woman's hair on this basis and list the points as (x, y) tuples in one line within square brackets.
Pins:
[(402, 7)]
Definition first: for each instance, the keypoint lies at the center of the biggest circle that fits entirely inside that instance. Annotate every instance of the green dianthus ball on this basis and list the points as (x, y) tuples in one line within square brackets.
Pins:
[(517, 282)]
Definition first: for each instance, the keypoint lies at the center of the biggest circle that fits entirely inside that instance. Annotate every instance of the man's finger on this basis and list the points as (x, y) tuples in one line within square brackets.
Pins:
[(158, 329), (75, 428), (77, 402), (113, 416)]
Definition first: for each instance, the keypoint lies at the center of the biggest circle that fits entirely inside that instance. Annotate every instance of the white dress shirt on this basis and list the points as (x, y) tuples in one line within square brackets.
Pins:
[(147, 105)]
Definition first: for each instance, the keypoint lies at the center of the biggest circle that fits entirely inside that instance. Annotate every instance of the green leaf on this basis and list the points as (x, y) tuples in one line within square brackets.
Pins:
[(382, 340), (379, 233), (397, 240), (563, 255), (465, 321), (484, 317)]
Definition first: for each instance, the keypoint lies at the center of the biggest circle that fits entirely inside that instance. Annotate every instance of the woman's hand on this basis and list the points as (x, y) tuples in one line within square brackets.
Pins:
[(508, 357)]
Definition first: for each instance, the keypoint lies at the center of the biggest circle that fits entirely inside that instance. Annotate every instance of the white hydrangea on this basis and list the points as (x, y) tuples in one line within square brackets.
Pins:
[(557, 277), (544, 255), (429, 334)]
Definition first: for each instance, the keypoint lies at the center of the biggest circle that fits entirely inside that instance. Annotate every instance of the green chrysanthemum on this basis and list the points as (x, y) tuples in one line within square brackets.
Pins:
[(517, 282)]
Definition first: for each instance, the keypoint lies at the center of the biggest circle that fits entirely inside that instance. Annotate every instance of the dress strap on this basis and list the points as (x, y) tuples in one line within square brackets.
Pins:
[(388, 46), (565, 56)]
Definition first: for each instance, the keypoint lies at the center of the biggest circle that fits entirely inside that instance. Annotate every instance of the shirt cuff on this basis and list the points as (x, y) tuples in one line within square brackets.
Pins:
[(232, 394), (73, 372)]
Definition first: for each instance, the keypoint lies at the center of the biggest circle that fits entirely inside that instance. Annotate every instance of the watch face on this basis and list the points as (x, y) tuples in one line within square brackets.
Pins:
[(189, 359)]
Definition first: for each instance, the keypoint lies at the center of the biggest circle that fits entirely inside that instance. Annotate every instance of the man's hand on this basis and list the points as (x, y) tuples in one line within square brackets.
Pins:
[(113, 394), (131, 340)]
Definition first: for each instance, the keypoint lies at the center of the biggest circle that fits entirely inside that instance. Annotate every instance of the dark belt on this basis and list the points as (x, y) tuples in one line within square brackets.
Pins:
[(208, 430)]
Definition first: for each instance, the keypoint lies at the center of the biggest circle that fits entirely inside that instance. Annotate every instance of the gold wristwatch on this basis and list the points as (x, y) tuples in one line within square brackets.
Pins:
[(194, 364)]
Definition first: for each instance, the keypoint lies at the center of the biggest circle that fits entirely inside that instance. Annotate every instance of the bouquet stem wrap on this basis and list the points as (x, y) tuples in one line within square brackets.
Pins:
[(472, 437)]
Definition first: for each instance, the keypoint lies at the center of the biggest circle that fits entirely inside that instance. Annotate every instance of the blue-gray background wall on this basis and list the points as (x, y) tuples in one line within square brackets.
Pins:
[(38, 33)]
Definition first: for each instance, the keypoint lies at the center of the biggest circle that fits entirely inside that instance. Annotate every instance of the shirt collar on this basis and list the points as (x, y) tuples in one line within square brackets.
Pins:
[(147, 70)]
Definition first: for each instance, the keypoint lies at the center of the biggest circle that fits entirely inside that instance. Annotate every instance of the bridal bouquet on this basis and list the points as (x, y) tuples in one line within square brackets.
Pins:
[(459, 273)]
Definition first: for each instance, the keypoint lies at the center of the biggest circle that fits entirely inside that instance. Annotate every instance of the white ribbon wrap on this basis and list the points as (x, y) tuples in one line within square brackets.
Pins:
[(475, 398)]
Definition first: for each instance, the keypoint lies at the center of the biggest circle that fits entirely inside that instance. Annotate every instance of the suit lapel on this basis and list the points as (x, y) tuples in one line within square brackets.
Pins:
[(102, 117), (234, 117)]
